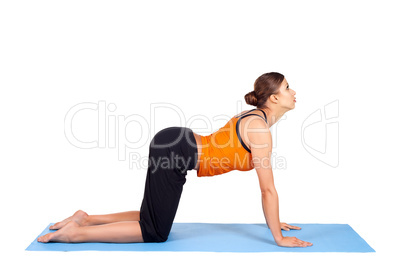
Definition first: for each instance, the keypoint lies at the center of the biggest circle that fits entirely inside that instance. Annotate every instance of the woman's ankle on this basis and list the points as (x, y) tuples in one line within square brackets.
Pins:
[(89, 221)]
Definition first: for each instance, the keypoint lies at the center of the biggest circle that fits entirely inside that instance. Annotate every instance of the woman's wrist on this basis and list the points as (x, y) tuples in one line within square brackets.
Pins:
[(278, 238)]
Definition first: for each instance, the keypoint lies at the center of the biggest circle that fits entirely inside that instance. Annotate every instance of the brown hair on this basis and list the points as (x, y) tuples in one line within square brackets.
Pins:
[(265, 85)]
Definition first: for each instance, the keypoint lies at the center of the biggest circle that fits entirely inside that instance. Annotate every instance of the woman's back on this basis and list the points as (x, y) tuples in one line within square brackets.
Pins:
[(228, 148)]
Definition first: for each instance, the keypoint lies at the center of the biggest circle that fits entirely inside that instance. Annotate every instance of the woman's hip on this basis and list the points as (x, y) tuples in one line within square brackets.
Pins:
[(174, 148)]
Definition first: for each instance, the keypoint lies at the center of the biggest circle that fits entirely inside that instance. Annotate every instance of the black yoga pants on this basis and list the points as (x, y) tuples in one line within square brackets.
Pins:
[(172, 152)]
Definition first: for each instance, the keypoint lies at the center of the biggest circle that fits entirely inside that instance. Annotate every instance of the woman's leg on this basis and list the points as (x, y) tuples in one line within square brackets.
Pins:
[(83, 219), (114, 217), (162, 193), (164, 184), (117, 232)]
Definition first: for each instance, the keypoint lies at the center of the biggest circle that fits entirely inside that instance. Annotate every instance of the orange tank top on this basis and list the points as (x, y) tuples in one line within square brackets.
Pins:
[(224, 150)]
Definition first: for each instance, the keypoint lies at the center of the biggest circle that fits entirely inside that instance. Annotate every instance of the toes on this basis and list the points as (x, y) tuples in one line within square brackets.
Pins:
[(44, 238), (56, 226)]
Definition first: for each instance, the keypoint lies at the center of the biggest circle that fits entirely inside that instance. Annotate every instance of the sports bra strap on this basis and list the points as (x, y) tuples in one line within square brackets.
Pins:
[(246, 114), (251, 115), (237, 126), (264, 115)]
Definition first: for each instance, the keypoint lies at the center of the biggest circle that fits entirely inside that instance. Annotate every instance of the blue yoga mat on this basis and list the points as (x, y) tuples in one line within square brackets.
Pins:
[(219, 237)]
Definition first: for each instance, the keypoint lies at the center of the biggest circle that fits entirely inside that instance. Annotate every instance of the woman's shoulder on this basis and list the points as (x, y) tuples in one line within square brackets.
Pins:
[(251, 111), (257, 121), (243, 112)]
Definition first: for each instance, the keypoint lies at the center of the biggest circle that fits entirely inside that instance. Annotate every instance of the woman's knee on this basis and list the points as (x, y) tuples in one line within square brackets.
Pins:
[(157, 240), (152, 236), (160, 238)]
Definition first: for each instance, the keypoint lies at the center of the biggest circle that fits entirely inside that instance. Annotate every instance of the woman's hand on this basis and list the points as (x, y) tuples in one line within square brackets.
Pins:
[(287, 227), (288, 241)]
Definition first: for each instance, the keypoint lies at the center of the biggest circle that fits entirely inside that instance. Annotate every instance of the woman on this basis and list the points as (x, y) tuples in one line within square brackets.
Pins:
[(244, 143)]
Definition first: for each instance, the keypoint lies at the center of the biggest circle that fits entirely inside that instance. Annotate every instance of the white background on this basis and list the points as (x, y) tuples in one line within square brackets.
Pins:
[(201, 57)]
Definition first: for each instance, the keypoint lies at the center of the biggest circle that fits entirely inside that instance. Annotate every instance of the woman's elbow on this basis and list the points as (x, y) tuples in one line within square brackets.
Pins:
[(268, 191)]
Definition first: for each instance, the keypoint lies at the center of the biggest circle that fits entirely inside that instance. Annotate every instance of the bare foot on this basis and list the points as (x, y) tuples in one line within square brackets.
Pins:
[(65, 234), (79, 217)]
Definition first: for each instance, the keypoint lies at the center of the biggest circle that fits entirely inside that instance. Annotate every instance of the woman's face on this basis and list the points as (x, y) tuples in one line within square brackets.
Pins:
[(287, 95)]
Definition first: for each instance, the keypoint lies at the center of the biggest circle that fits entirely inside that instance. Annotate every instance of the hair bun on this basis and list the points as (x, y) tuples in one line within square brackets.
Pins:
[(251, 98)]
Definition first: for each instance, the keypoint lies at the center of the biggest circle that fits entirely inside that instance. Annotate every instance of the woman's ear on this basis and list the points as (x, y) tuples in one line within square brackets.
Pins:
[(273, 98)]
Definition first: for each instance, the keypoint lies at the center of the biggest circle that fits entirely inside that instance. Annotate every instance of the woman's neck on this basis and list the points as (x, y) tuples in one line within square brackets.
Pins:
[(273, 116)]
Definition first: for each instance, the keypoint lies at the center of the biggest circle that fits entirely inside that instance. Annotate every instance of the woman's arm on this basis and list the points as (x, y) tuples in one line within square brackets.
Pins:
[(270, 207), (261, 150)]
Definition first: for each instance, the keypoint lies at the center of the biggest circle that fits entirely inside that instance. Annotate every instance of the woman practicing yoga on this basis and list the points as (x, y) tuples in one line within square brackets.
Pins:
[(244, 143)]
